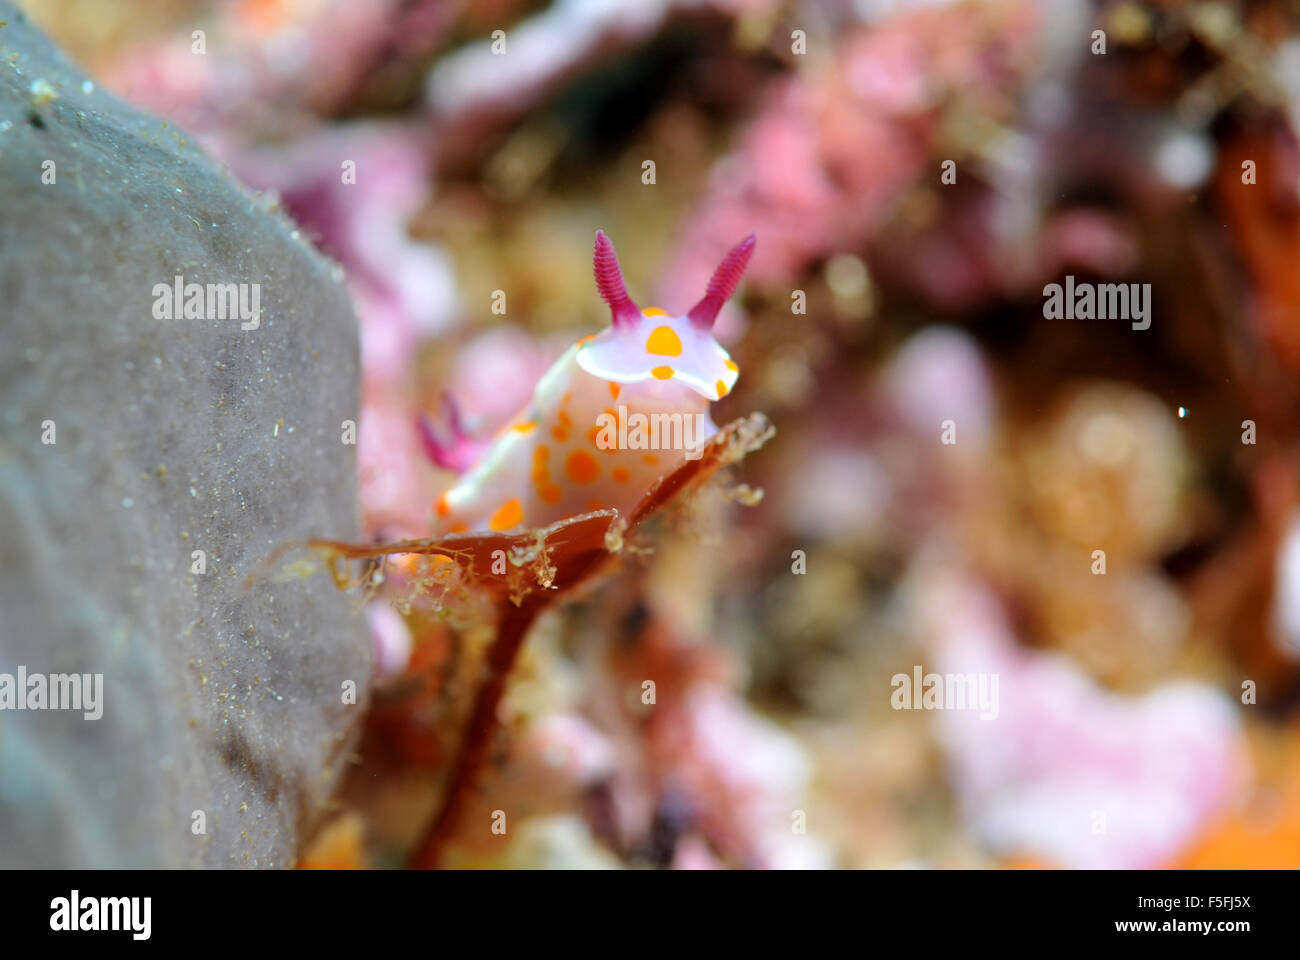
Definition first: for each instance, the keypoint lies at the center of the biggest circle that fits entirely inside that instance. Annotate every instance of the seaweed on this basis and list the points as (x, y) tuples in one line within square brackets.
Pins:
[(542, 566)]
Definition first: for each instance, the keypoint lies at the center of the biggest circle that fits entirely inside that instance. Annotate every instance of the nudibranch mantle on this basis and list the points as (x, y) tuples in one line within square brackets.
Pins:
[(617, 411), (659, 347)]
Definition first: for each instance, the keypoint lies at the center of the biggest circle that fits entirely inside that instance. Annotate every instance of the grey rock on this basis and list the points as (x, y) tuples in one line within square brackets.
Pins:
[(171, 436)]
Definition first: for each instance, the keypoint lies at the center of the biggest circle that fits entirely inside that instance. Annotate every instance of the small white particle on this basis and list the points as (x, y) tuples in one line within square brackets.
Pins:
[(42, 92), (1184, 159), (128, 502)]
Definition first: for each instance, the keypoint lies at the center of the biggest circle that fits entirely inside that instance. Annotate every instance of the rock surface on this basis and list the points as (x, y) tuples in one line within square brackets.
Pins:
[(170, 436)]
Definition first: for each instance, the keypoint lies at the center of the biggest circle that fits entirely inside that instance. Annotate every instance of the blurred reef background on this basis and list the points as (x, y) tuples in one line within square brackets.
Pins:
[(1149, 715)]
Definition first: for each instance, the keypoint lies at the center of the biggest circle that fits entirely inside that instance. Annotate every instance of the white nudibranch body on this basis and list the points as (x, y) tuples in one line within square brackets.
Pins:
[(620, 409)]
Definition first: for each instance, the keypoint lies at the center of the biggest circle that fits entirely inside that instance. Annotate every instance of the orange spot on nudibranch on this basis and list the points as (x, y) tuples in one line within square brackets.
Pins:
[(582, 340), (457, 528), (581, 467), (620, 474), (731, 365), (722, 389), (614, 389), (664, 342), (651, 459), (408, 563), (662, 373), (562, 423), (442, 508), (525, 426), (509, 514), (548, 491), (654, 312)]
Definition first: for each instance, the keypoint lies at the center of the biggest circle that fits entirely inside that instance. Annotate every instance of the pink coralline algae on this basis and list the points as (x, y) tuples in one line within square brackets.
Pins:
[(1067, 772), (390, 639), (749, 777), (832, 152), (260, 68)]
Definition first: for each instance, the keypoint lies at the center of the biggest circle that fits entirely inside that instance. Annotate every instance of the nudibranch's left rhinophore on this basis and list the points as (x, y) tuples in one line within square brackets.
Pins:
[(620, 409)]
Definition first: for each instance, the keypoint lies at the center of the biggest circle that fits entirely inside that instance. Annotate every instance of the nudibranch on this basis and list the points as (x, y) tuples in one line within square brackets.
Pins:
[(620, 409)]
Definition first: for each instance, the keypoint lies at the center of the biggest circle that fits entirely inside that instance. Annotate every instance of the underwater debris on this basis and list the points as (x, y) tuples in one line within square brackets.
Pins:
[(554, 558)]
